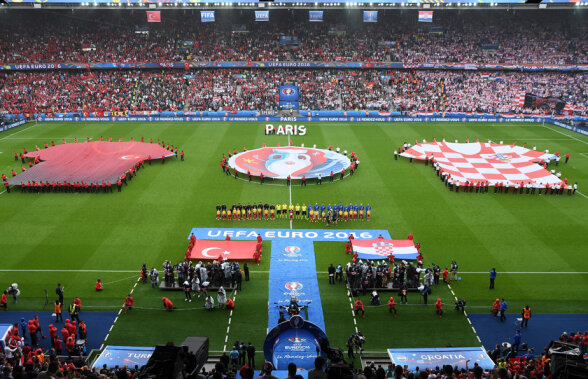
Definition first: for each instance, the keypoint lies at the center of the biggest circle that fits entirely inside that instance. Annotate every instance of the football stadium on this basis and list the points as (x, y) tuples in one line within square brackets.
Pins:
[(294, 189)]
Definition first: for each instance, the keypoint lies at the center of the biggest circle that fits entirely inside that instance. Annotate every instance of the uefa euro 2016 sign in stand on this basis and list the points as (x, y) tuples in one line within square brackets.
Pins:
[(289, 161)]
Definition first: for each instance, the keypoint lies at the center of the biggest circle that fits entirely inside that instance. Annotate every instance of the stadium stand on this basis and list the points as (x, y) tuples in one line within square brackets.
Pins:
[(48, 364), (50, 92), (528, 37)]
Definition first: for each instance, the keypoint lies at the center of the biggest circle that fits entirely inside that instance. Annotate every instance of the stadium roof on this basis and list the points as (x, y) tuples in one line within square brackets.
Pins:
[(310, 4)]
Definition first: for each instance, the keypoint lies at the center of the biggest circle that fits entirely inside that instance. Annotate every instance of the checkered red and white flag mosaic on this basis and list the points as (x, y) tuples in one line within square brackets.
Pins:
[(481, 162)]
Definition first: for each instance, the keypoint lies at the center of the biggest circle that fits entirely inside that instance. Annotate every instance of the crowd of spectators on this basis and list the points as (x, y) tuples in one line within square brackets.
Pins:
[(52, 92), (49, 366), (524, 37), (60, 91)]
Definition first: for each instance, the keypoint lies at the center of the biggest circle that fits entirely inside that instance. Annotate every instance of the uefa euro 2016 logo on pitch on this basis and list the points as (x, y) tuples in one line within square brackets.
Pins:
[(292, 251), (293, 286), (296, 162)]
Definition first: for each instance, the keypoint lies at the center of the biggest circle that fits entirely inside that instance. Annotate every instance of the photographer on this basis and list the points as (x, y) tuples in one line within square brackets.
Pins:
[(14, 291), (460, 305)]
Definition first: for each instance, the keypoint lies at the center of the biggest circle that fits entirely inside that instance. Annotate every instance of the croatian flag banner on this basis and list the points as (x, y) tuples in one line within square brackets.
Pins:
[(425, 16), (381, 248), (487, 163)]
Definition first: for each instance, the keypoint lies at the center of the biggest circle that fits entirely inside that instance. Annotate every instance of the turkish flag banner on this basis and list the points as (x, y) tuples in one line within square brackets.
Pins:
[(153, 16), (232, 250)]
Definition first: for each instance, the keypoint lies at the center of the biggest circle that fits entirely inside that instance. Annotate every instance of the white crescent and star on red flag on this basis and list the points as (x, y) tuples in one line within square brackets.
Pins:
[(153, 16), (235, 250), (205, 252)]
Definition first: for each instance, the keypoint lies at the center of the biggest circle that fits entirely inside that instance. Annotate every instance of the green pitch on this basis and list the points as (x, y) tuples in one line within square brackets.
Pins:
[(536, 243)]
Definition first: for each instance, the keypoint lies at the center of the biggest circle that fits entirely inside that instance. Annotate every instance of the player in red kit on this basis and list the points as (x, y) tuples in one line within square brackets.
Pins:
[(128, 305), (358, 307), (392, 306), (439, 308), (167, 304)]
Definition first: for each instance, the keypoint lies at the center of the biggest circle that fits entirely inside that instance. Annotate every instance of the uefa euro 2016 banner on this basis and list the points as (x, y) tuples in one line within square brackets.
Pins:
[(288, 64), (289, 97), (288, 93), (430, 358), (13, 125), (318, 235)]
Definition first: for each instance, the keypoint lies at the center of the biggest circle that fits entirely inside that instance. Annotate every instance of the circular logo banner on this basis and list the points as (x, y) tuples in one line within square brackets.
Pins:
[(279, 162)]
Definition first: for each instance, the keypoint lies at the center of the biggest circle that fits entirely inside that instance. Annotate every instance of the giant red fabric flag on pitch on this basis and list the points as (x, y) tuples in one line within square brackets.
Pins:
[(232, 250), (488, 162), (88, 162), (153, 16), (381, 248)]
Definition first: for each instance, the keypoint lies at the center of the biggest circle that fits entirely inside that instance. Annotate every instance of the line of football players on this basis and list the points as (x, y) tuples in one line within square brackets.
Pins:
[(313, 213)]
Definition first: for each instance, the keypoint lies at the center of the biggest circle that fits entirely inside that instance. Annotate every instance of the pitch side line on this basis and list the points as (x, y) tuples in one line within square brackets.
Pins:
[(467, 317), (567, 135), (229, 324), (20, 131), (121, 307)]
